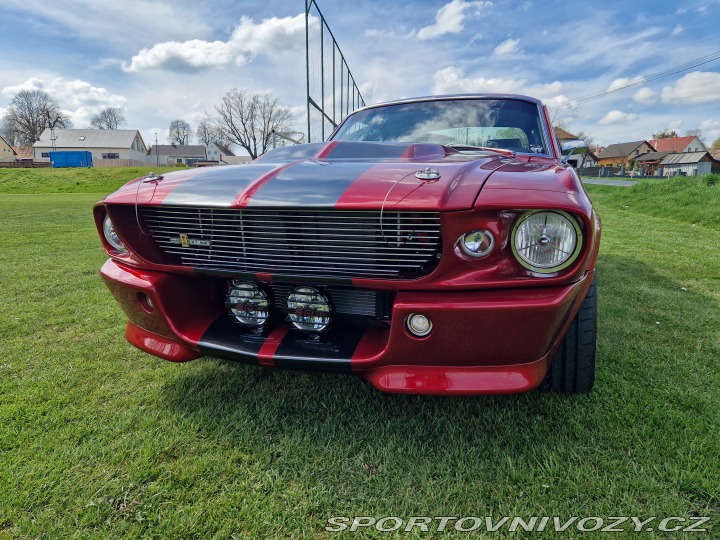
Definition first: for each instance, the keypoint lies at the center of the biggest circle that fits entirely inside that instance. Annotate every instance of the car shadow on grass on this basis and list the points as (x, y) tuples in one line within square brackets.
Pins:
[(234, 401), (342, 419), (643, 429)]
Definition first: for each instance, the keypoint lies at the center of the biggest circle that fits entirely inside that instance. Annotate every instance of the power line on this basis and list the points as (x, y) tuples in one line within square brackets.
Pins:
[(643, 80)]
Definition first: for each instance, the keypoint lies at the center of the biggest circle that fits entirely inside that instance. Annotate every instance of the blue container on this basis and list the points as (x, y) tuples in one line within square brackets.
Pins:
[(71, 158)]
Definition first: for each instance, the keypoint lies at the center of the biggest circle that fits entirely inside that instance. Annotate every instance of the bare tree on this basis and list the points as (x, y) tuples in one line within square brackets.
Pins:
[(561, 124), (248, 120), (206, 132), (696, 133), (179, 132), (9, 132), (29, 114), (558, 122), (587, 139), (108, 118)]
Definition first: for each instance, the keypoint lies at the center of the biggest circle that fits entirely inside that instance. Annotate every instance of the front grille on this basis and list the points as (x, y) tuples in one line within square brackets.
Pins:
[(377, 304), (315, 243)]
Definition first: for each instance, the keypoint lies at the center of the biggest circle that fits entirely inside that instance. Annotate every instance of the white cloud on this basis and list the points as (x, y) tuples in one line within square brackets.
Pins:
[(123, 22), (711, 129), (617, 117), (31, 84), (78, 99), (612, 52), (449, 19), (270, 36), (674, 124), (379, 33), (677, 30), (186, 56), (624, 82), (509, 46), (695, 87), (646, 96), (553, 102), (452, 80), (710, 124)]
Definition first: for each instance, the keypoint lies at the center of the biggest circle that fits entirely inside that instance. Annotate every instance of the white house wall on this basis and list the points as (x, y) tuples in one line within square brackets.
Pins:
[(690, 169), (97, 153)]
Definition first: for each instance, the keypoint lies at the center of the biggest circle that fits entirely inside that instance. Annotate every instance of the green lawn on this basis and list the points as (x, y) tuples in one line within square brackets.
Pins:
[(92, 180), (98, 440)]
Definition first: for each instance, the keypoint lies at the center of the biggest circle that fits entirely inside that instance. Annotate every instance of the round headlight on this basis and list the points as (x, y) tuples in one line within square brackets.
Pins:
[(248, 304), (546, 241), (308, 309), (111, 236), (477, 243)]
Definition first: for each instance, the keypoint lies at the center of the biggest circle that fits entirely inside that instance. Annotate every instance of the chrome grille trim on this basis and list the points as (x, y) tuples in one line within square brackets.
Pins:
[(344, 301), (312, 243)]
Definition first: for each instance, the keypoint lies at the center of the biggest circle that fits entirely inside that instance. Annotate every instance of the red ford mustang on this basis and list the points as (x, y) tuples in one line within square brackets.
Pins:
[(433, 246)]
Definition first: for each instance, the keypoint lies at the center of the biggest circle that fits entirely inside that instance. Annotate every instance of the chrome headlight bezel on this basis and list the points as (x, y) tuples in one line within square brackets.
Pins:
[(483, 237), (573, 250), (111, 236)]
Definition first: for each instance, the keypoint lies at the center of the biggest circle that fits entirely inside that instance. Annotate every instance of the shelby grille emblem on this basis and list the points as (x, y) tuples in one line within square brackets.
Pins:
[(185, 241)]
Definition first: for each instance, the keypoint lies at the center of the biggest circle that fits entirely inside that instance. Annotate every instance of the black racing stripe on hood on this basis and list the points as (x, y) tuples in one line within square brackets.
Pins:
[(218, 186), (309, 184)]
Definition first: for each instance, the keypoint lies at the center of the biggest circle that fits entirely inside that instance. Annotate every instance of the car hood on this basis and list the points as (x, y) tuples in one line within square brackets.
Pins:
[(337, 175)]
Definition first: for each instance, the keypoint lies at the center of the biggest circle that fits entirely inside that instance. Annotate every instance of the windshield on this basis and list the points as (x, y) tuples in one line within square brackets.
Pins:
[(493, 123)]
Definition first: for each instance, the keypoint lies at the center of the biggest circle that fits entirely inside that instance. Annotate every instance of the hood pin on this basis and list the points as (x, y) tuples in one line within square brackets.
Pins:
[(428, 174)]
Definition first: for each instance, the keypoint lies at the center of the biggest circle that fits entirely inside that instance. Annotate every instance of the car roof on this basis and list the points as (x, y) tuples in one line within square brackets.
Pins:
[(447, 97)]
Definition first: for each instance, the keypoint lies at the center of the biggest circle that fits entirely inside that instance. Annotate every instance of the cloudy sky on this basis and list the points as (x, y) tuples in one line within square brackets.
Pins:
[(160, 60)]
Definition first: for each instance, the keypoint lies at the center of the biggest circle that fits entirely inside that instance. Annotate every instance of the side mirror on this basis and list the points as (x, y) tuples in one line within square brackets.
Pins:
[(573, 147)]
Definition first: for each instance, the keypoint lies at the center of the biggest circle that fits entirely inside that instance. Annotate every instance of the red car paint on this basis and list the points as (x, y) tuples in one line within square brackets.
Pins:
[(496, 324)]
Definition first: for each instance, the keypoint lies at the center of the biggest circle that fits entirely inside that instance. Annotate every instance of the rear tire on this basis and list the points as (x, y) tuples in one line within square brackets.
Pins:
[(572, 371)]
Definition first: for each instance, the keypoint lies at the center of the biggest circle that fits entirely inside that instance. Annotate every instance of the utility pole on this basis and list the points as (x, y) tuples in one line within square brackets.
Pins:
[(51, 124), (157, 152)]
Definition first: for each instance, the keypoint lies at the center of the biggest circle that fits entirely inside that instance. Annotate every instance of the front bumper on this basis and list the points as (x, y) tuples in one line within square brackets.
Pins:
[(483, 342)]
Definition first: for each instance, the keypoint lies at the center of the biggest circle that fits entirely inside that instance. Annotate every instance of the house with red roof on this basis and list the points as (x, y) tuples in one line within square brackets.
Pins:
[(678, 145), (24, 153), (622, 154)]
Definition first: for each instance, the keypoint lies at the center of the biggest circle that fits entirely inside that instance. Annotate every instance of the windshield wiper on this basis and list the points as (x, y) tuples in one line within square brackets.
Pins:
[(462, 147)]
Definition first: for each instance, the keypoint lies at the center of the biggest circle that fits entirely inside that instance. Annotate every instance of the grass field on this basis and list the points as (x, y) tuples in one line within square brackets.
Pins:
[(97, 180), (98, 440)]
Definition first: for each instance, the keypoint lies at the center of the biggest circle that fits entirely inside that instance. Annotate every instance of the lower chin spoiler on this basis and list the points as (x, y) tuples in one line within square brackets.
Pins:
[(403, 379), (157, 345), (476, 380)]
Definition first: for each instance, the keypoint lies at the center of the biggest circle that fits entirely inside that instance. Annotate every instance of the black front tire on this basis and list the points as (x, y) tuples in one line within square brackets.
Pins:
[(572, 371)]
